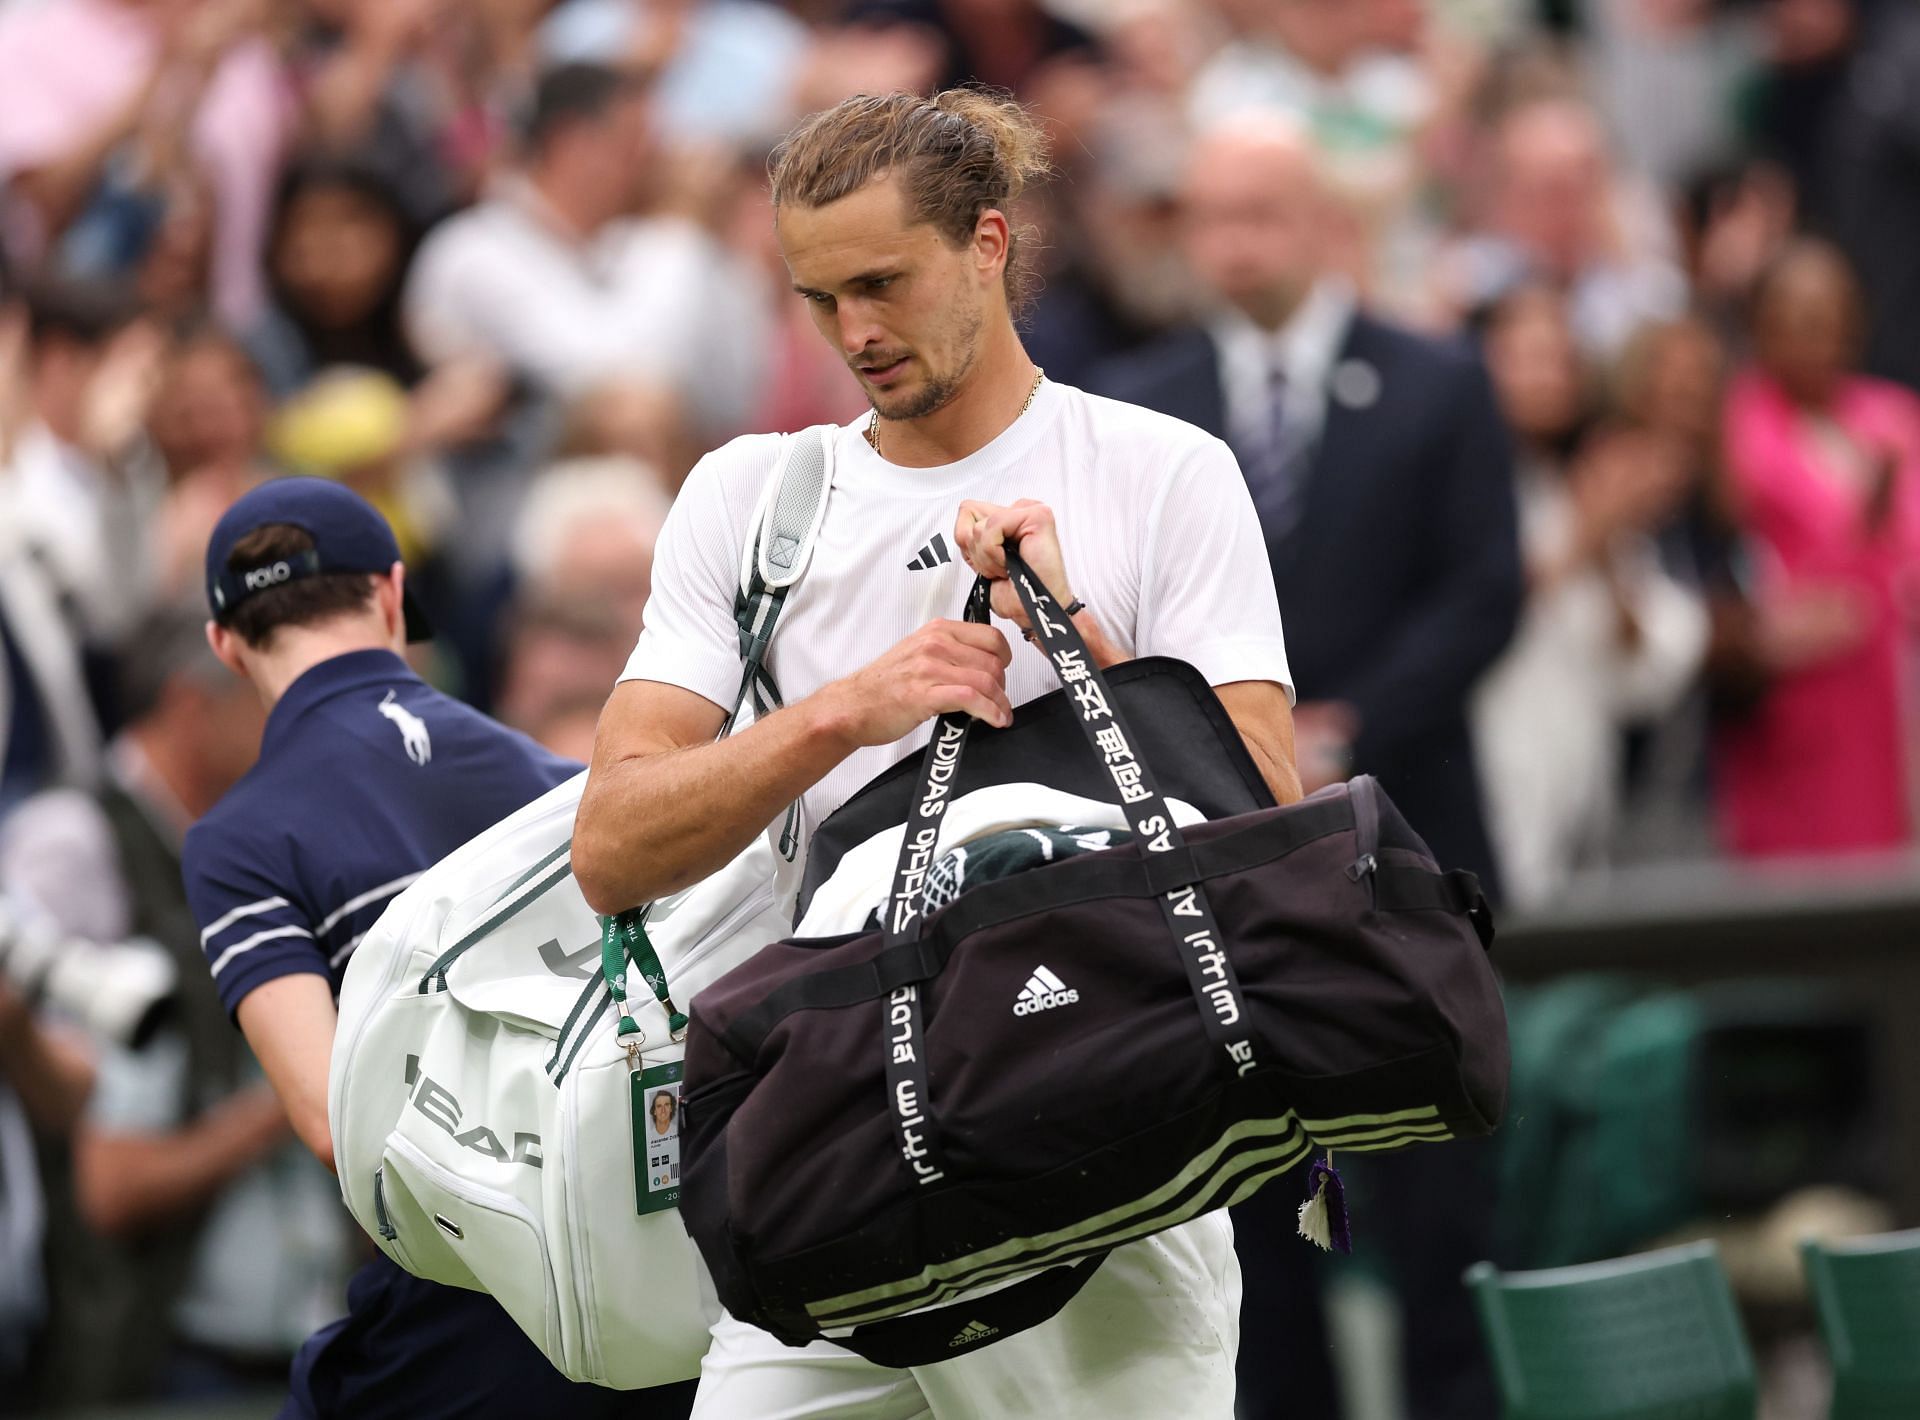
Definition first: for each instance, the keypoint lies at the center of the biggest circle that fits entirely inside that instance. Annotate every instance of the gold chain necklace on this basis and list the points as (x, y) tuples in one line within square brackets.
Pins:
[(873, 421)]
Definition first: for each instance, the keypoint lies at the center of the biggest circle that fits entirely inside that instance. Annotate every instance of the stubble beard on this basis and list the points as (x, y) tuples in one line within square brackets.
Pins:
[(939, 390)]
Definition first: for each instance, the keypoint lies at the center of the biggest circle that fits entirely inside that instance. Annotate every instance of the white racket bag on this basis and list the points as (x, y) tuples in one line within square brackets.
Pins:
[(504, 1117)]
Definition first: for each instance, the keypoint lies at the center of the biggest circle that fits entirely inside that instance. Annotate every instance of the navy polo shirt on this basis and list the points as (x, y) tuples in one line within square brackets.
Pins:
[(367, 777)]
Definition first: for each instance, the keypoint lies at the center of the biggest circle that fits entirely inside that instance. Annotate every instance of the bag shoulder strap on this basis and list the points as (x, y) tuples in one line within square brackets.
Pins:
[(793, 505), (786, 524)]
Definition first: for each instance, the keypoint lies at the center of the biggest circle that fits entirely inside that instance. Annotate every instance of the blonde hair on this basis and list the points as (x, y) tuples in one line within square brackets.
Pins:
[(959, 154)]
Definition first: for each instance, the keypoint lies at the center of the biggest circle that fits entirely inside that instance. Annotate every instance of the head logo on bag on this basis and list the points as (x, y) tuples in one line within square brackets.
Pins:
[(435, 1102), (583, 965), (1043, 992)]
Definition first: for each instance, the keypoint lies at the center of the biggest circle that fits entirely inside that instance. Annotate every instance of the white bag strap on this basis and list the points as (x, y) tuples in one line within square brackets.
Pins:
[(786, 523), (796, 502)]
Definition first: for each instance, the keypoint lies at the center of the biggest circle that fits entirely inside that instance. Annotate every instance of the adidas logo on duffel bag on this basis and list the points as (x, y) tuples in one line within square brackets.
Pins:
[(1043, 992), (970, 1333)]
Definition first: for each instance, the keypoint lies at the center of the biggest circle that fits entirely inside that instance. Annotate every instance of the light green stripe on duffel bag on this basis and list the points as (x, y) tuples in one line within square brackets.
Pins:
[(1018, 1250), (1205, 1200), (1069, 1244), (1124, 1223), (1364, 1140), (1317, 1127)]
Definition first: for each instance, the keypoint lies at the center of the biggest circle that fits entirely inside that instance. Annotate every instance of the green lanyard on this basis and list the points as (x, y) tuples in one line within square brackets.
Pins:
[(623, 939)]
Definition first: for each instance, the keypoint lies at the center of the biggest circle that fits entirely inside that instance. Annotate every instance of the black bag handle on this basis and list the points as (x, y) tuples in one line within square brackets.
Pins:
[(1183, 900)]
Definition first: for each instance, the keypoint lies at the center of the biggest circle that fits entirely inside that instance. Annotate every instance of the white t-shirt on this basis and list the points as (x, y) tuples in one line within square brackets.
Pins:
[(654, 297), (1157, 528)]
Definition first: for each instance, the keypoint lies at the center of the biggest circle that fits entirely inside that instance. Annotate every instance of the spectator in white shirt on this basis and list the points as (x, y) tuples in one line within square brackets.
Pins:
[(554, 276), (79, 484), (1607, 638), (75, 496)]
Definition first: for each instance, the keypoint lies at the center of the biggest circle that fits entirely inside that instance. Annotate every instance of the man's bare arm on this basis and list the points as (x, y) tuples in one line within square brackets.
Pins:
[(290, 1022), (1261, 714), (666, 804), (130, 1183)]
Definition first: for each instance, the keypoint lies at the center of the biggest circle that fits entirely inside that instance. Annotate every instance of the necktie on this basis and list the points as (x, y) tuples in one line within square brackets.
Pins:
[(1274, 462)]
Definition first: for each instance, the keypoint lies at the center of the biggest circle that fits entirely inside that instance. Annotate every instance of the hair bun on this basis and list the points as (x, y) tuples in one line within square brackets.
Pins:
[(1017, 140)]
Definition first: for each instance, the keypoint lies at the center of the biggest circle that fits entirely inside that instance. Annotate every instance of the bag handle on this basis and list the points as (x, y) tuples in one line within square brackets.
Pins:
[(1183, 899)]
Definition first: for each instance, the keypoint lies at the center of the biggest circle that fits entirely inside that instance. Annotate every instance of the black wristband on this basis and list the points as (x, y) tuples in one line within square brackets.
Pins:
[(1072, 611)]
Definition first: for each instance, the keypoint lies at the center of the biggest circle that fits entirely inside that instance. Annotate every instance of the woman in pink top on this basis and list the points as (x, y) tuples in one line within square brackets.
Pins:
[(1825, 472)]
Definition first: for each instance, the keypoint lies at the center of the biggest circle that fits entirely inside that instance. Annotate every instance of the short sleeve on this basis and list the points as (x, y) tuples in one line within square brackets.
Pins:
[(688, 636), (437, 322), (250, 931), (1206, 586)]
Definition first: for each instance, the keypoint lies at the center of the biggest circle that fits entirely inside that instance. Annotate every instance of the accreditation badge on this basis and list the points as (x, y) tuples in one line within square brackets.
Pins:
[(654, 1095)]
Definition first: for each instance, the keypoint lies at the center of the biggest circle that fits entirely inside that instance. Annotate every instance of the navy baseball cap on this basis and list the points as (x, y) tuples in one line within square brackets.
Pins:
[(348, 533)]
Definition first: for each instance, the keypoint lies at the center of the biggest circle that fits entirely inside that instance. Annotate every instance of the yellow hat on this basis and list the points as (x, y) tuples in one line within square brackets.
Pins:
[(346, 419)]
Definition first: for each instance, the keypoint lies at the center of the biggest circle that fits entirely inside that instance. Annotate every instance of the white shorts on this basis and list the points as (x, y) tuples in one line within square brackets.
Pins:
[(1154, 1334)]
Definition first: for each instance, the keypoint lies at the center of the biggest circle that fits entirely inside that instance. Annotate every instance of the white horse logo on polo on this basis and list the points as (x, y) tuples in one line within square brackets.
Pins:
[(413, 730)]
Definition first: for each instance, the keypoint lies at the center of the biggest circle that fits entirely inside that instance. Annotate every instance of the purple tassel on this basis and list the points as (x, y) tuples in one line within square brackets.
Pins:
[(1323, 1217)]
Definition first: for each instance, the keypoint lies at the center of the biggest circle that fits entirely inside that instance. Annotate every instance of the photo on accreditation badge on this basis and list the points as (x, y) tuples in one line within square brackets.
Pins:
[(663, 1139)]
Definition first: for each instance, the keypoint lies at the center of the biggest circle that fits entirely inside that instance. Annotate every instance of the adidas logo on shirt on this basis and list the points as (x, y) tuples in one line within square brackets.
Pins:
[(934, 554), (971, 1333), (1043, 992)]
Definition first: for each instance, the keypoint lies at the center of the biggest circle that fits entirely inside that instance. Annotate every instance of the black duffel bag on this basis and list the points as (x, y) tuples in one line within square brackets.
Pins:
[(871, 1131)]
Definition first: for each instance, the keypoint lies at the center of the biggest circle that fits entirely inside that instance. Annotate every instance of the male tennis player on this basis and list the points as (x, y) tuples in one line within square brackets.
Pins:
[(367, 777), (892, 215)]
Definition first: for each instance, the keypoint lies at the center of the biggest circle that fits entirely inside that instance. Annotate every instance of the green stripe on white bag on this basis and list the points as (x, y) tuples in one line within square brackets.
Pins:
[(435, 978)]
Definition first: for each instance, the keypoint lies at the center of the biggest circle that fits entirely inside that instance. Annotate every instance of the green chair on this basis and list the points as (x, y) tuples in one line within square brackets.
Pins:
[(1867, 1294), (1653, 1337)]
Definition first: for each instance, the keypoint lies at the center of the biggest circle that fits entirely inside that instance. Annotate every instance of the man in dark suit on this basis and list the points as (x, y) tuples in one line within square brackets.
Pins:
[(1382, 473)]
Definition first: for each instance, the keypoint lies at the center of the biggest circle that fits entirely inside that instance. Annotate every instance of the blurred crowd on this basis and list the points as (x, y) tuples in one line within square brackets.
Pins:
[(508, 268)]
